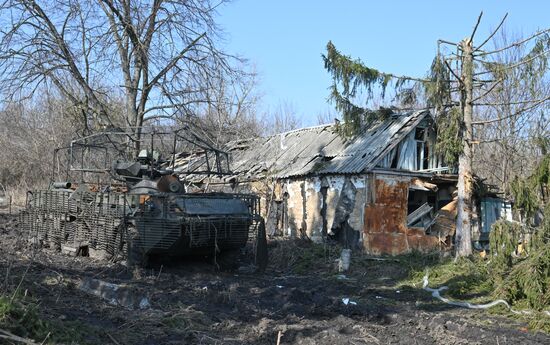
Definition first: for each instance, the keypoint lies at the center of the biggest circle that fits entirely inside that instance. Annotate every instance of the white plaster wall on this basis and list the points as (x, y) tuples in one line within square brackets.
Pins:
[(294, 207), (314, 203), (335, 184)]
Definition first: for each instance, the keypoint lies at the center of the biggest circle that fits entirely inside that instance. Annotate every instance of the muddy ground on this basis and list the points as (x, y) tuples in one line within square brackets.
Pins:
[(192, 303)]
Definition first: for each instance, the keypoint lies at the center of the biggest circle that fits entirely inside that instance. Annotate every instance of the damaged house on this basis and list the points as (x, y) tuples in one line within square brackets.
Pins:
[(384, 190)]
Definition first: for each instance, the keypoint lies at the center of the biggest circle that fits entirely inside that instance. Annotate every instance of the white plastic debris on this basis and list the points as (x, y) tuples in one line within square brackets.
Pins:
[(279, 286), (347, 301), (344, 262), (144, 303)]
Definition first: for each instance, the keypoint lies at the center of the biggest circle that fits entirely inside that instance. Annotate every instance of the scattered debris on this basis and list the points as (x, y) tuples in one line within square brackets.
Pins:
[(244, 309), (347, 301), (14, 338), (115, 294)]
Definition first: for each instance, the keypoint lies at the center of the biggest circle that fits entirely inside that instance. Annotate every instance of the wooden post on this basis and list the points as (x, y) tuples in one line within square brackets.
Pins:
[(463, 237)]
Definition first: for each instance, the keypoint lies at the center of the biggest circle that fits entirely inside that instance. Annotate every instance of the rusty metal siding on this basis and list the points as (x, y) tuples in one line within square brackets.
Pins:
[(385, 230)]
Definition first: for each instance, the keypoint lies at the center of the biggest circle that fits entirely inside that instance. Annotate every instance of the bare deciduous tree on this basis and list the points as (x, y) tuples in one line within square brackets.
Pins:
[(230, 110), (282, 119), (156, 55), (506, 147)]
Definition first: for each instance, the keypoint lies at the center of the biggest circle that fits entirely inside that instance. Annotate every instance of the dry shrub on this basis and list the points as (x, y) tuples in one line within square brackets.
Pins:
[(302, 256), (28, 135)]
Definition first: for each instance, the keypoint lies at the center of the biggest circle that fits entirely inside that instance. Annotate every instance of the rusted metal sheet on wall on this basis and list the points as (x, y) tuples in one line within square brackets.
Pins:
[(418, 240), (385, 231), (385, 220)]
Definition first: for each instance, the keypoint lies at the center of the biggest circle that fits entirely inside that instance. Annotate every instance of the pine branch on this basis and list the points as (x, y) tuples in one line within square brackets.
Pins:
[(447, 42), (407, 78), (514, 103)]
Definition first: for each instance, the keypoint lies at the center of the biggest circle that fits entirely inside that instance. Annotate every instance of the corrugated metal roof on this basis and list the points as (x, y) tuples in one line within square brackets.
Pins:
[(366, 150), (320, 150)]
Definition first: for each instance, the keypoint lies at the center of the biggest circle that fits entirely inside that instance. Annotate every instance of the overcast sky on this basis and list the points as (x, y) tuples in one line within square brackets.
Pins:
[(284, 39)]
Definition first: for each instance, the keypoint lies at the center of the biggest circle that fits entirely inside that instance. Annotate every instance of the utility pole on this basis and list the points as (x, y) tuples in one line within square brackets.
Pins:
[(463, 238)]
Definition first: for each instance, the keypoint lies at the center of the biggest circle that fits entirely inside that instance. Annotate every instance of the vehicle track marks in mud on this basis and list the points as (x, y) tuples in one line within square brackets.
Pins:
[(192, 303)]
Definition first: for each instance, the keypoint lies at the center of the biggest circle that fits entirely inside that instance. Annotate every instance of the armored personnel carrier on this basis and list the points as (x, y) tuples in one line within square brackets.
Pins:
[(116, 204)]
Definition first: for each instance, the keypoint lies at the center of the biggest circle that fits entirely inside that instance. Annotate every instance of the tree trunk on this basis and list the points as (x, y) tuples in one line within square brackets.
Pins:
[(463, 236)]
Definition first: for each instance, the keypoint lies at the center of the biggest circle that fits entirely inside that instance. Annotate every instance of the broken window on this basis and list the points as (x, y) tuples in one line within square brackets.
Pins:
[(419, 133), (407, 153), (389, 160), (422, 148), (414, 152), (421, 202)]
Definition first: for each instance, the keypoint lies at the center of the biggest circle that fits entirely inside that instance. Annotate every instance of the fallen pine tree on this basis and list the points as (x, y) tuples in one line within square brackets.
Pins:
[(516, 272)]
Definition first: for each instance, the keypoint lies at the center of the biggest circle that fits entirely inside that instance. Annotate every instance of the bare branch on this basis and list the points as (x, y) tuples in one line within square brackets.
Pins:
[(534, 105), (515, 44), (492, 34), (520, 63), (487, 92), (475, 27)]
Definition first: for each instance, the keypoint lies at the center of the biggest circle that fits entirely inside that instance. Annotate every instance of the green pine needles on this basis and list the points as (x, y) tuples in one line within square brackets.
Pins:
[(348, 77), (524, 278), (351, 77)]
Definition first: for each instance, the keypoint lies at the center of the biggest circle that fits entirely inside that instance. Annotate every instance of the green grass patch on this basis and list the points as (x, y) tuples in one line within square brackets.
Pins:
[(467, 278), (21, 317), (476, 280)]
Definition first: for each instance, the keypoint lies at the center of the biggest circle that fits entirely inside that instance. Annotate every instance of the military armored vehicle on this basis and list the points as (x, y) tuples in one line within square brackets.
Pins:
[(119, 198)]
